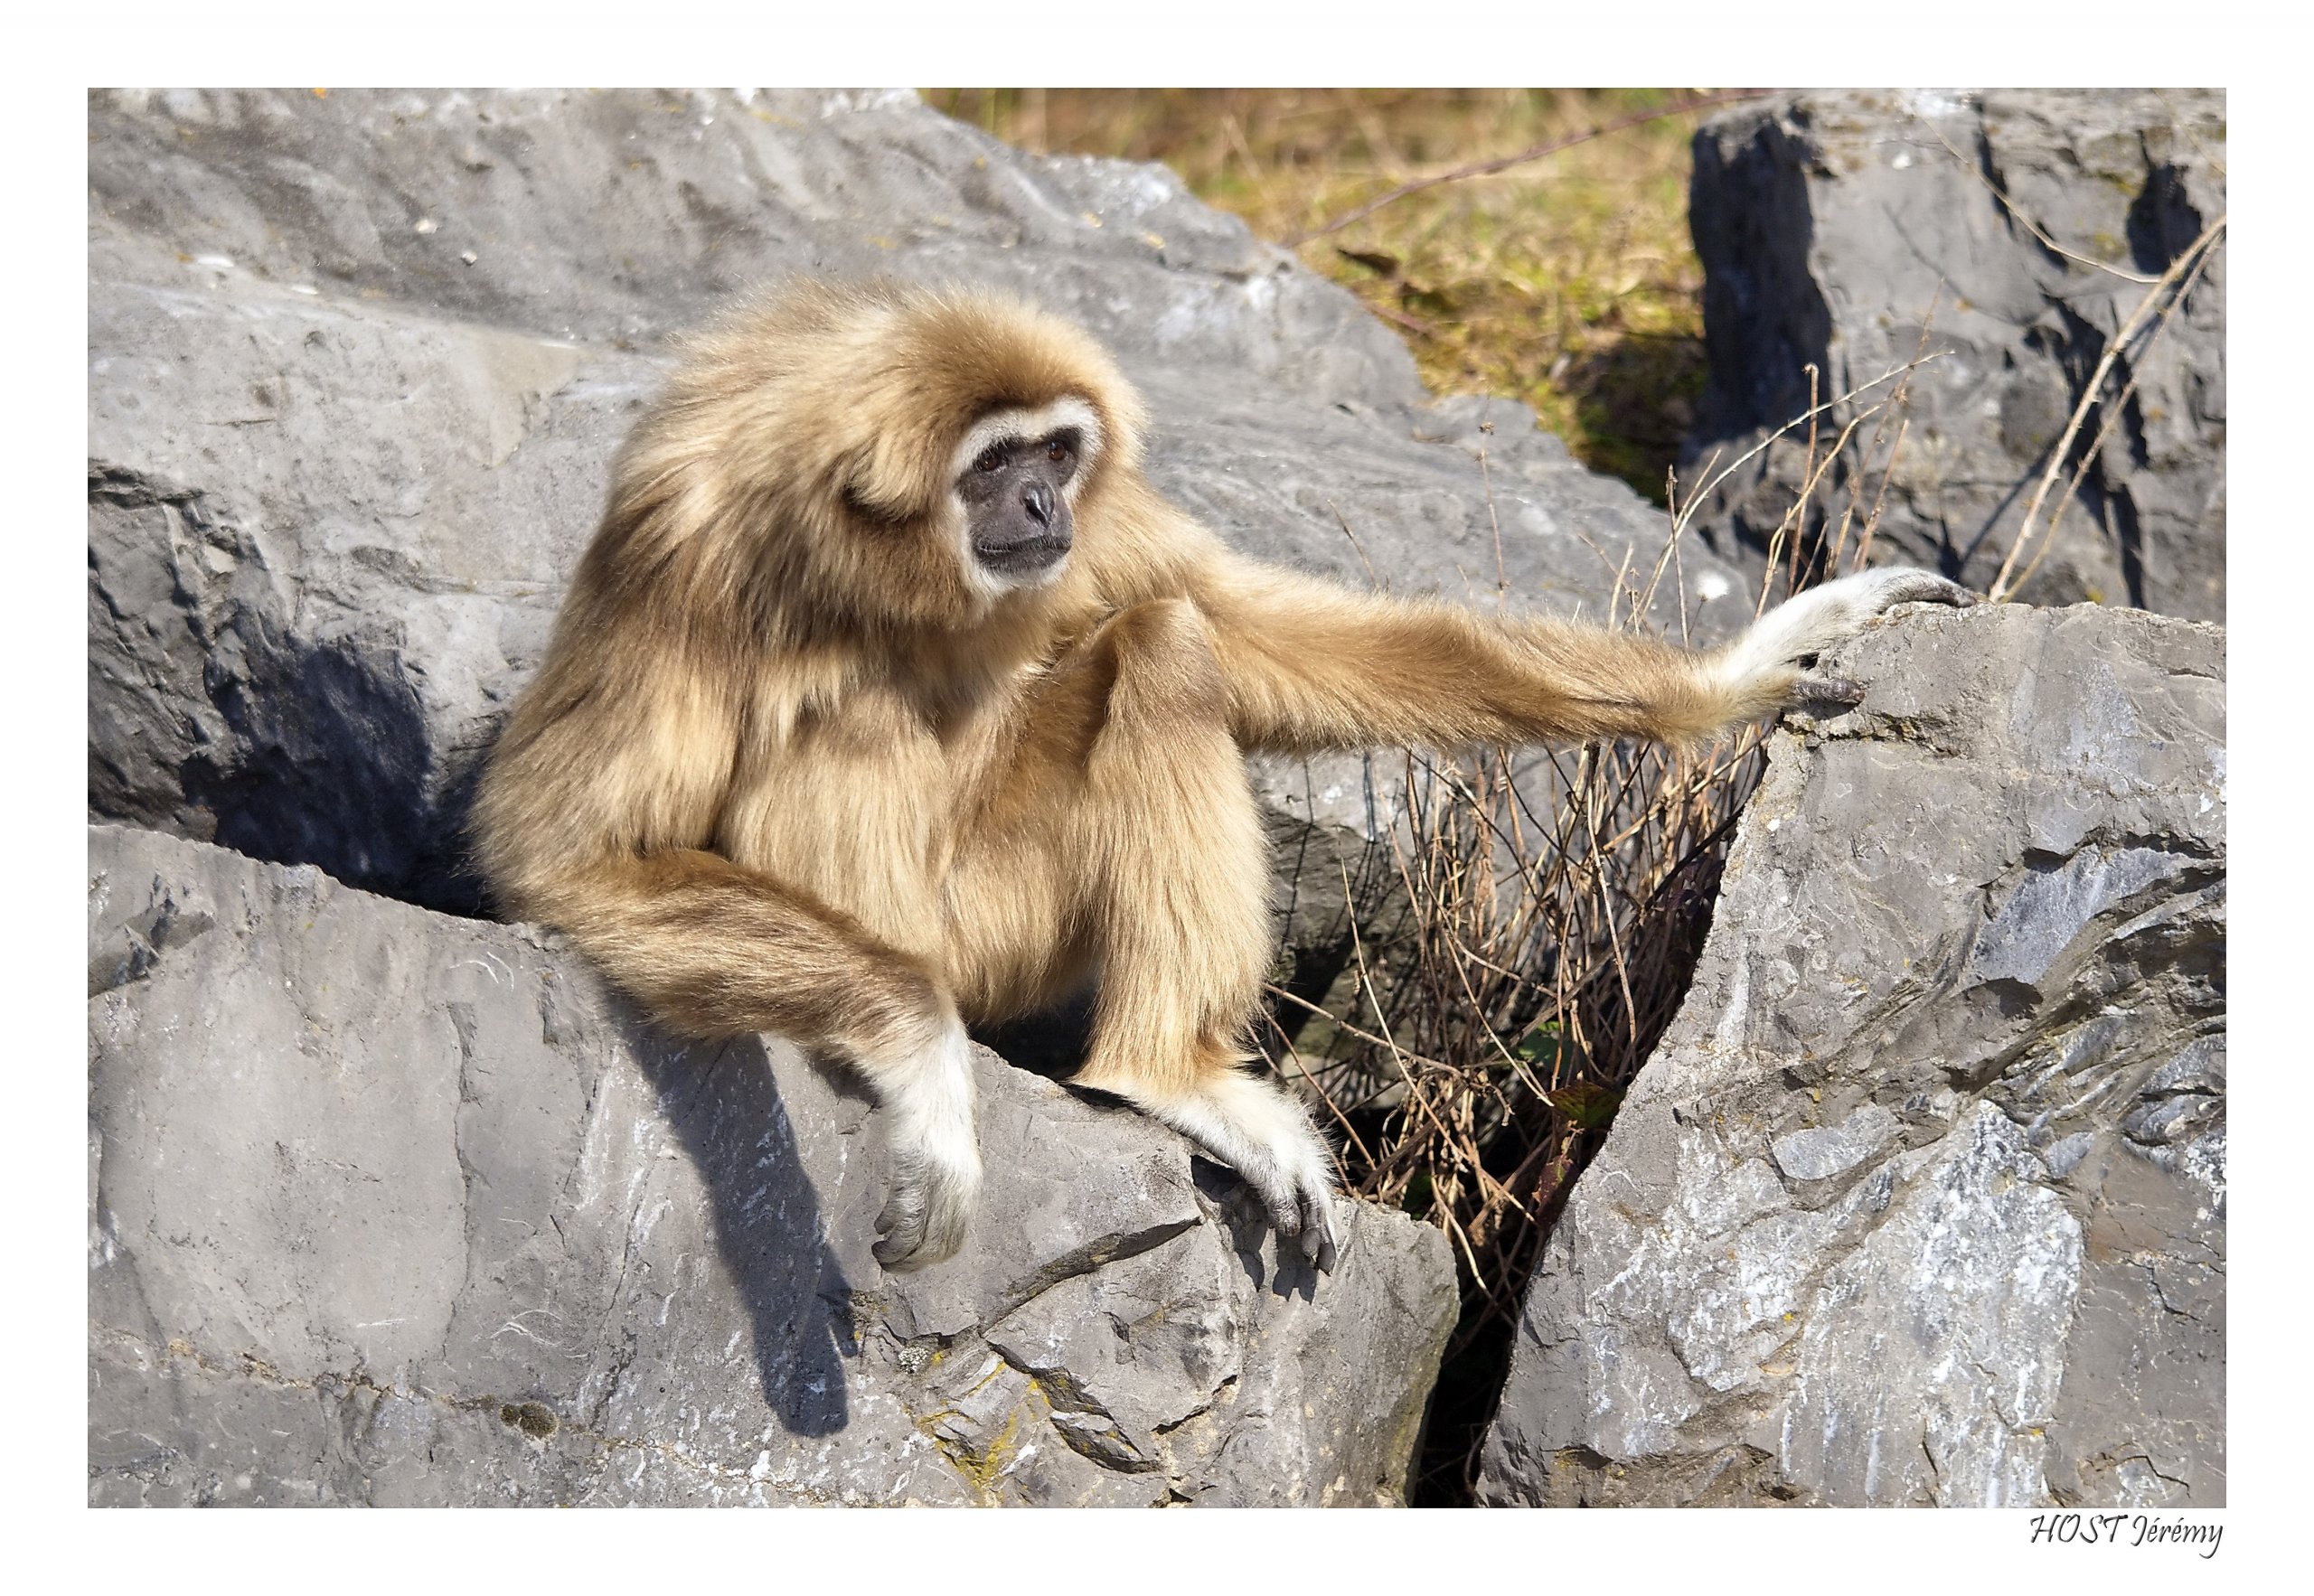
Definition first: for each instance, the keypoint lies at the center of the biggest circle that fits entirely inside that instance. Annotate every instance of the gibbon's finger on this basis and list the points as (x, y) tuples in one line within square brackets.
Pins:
[(1814, 689), (898, 1252), (925, 1217), (936, 1153), (1803, 627), (1927, 588), (899, 1228), (1318, 1241)]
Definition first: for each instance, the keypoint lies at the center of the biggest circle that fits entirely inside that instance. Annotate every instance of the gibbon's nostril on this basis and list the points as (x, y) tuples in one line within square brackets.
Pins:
[(1037, 500)]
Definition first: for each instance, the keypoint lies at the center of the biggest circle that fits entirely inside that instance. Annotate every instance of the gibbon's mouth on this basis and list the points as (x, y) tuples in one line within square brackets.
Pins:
[(1028, 557)]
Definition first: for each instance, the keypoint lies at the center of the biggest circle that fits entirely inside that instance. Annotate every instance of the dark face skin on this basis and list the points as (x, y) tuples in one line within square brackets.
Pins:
[(1017, 515)]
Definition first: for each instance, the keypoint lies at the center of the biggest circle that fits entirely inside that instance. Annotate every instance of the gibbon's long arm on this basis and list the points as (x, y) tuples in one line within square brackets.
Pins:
[(716, 950), (1312, 666), (583, 820)]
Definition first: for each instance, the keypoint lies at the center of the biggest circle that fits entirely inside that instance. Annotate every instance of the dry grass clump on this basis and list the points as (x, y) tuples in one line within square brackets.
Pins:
[(1552, 907), (1567, 283)]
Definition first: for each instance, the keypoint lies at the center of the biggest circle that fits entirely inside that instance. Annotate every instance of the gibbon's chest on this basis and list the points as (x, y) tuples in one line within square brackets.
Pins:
[(855, 806)]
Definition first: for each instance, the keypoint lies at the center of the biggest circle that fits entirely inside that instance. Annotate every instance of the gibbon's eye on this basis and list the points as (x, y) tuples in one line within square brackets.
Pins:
[(992, 458), (1060, 449)]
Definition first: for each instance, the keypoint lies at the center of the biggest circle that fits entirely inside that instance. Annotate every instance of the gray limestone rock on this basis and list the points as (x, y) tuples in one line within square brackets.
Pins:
[(391, 1208), (358, 365), (1855, 230), (1922, 1198)]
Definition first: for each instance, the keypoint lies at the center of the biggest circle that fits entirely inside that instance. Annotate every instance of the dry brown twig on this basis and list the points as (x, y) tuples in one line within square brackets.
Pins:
[(2026, 222), (1713, 478), (1554, 908), (2181, 275)]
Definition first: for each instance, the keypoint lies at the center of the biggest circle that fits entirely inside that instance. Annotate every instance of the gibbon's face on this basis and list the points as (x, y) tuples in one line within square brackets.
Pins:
[(1017, 480)]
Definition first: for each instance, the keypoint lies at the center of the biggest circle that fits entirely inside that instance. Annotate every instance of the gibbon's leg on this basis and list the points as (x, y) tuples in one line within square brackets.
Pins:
[(1165, 873), (1311, 666), (717, 950)]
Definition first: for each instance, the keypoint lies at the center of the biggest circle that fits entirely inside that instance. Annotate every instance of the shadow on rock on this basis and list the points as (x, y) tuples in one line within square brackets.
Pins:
[(725, 1105)]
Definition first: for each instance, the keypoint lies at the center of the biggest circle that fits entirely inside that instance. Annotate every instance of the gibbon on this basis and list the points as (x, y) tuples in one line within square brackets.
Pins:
[(889, 695)]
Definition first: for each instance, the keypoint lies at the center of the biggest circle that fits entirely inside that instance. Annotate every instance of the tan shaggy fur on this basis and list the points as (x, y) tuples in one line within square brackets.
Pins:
[(792, 765)]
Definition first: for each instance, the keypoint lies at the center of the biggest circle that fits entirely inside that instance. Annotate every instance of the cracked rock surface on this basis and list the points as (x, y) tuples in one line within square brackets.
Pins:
[(1856, 230), (391, 1208), (358, 366), (1921, 1198)]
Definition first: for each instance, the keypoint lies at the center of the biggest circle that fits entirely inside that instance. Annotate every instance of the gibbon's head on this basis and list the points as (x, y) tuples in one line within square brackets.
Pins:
[(908, 457)]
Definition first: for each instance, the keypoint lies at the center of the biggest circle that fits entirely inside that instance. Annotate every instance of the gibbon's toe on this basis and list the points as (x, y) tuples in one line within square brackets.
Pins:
[(1300, 1204), (1301, 1212), (1285, 1211)]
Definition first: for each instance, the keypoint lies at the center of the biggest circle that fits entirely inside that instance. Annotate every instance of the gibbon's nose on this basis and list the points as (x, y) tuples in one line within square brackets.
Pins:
[(1037, 500)]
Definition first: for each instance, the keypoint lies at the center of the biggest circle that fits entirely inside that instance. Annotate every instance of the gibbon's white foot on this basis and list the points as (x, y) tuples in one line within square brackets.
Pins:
[(1781, 640), (1265, 1136), (936, 1153)]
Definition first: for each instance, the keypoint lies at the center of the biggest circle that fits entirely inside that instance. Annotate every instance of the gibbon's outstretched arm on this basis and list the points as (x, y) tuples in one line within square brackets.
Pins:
[(1312, 666)]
